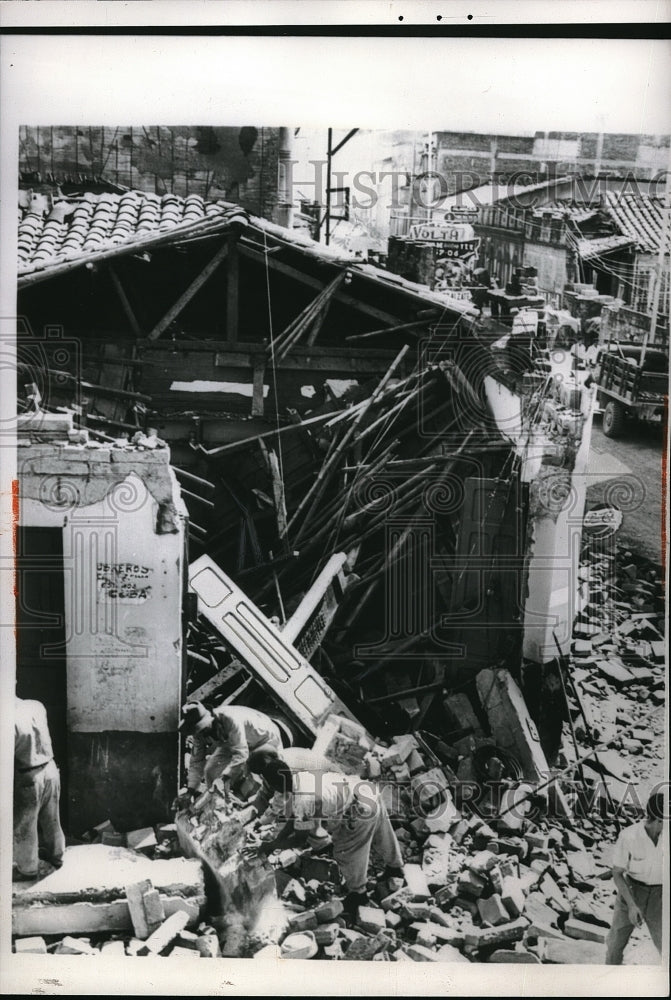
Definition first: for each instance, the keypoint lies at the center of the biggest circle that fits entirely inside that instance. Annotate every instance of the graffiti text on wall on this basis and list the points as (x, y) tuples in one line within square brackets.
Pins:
[(124, 581)]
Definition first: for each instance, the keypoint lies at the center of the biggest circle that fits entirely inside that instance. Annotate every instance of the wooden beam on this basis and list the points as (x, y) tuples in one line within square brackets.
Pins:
[(257, 388), (127, 308), (186, 296), (307, 279), (232, 291)]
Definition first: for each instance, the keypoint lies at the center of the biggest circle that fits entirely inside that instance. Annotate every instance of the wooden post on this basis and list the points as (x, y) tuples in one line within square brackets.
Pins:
[(232, 292), (127, 308), (257, 389)]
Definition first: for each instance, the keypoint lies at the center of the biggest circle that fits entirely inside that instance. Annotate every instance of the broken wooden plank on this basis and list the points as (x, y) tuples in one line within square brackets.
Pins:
[(127, 308), (232, 291)]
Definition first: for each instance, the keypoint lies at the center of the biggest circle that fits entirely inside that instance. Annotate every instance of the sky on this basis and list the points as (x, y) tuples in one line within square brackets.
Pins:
[(484, 84)]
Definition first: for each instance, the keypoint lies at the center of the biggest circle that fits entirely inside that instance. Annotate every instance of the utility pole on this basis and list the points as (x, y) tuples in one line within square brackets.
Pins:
[(331, 151)]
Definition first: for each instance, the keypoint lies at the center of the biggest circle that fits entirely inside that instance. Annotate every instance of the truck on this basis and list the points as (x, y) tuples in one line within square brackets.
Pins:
[(629, 388)]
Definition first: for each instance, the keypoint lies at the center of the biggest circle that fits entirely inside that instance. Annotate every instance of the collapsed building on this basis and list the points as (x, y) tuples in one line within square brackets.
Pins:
[(252, 469)]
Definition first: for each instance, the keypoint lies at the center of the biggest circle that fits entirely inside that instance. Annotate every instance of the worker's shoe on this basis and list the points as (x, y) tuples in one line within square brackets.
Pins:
[(18, 876), (352, 902), (393, 872), (54, 862)]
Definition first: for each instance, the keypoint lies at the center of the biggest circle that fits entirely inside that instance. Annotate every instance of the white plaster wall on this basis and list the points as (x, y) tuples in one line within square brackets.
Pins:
[(553, 587), (123, 593)]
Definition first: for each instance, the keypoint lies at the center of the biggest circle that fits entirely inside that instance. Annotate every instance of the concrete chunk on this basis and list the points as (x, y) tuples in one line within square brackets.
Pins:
[(571, 952), (146, 908), (416, 883), (326, 934), (306, 921), (141, 840), (371, 919), (420, 953), (327, 912), (512, 896), (448, 953), (112, 948), (492, 911), (486, 937), (30, 946), (516, 957), (167, 932), (75, 946), (580, 929)]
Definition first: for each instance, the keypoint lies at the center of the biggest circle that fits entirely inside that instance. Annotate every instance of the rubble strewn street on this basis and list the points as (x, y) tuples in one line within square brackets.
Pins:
[(480, 884)]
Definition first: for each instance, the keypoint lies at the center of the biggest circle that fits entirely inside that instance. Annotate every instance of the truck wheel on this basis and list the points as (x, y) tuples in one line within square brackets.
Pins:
[(613, 419)]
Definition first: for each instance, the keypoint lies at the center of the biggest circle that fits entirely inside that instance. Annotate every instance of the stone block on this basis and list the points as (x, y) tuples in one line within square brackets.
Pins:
[(517, 957), (420, 953), (416, 883), (492, 911), (445, 935), (513, 896), (112, 948), (146, 908), (392, 919), (537, 840), (428, 784), (424, 935), (208, 946), (471, 884), (31, 946), (179, 952), (571, 952), (363, 949), (487, 937), (460, 713), (142, 840), (416, 911), (511, 725), (326, 934), (371, 919), (482, 862), (327, 912), (449, 953), (583, 931), (75, 946), (306, 921), (166, 933), (615, 672)]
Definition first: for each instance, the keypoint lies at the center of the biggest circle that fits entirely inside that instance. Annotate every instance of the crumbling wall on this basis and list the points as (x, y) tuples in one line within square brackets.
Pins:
[(123, 564)]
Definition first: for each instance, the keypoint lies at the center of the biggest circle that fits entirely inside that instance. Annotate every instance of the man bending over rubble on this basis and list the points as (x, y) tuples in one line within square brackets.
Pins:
[(236, 732), (355, 816), (637, 873)]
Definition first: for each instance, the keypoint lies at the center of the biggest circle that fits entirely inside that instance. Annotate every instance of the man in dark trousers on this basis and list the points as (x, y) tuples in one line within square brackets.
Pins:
[(637, 873), (37, 789)]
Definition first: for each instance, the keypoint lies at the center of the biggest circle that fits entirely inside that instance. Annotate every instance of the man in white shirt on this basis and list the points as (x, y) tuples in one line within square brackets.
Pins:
[(37, 789), (354, 814), (235, 731), (637, 873)]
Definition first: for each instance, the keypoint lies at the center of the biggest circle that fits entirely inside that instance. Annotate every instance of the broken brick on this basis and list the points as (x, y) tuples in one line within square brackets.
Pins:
[(326, 934), (326, 912), (512, 896), (143, 840), (471, 883), (492, 911), (30, 946), (306, 921), (370, 919), (167, 932), (145, 907), (75, 946), (486, 937), (416, 883), (517, 957), (449, 953), (585, 932), (419, 953)]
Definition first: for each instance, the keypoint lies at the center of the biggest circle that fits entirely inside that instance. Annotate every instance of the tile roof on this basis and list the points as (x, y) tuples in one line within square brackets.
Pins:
[(641, 218), (576, 211), (55, 234), (601, 245)]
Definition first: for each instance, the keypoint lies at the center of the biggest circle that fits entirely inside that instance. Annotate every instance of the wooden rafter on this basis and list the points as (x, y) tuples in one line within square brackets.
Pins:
[(186, 296)]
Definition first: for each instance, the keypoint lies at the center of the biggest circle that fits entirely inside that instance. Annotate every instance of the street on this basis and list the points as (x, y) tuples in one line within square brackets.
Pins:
[(628, 473)]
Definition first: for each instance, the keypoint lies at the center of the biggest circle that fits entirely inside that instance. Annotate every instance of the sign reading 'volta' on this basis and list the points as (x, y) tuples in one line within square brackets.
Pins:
[(456, 241)]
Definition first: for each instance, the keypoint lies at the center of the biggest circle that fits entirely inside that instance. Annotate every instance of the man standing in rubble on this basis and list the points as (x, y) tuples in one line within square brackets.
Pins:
[(637, 873), (37, 789), (355, 817), (235, 730)]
